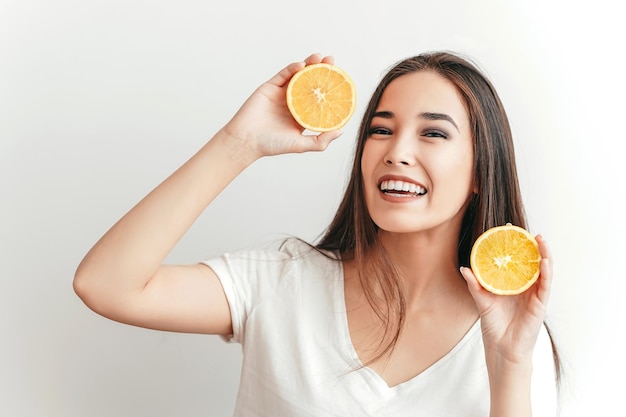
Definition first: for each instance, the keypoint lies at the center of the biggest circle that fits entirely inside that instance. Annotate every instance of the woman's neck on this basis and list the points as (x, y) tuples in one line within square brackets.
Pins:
[(427, 262)]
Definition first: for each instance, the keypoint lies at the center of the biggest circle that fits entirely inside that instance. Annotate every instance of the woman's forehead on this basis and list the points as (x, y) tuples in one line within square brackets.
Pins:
[(423, 92)]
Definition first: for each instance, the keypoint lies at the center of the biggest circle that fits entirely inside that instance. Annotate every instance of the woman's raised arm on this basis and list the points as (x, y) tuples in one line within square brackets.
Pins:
[(123, 277)]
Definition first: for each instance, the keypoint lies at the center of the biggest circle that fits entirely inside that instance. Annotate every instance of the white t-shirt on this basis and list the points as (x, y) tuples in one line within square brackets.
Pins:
[(288, 313)]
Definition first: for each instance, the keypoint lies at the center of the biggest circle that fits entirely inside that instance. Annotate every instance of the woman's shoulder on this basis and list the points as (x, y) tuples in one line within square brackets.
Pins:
[(284, 250), (297, 247)]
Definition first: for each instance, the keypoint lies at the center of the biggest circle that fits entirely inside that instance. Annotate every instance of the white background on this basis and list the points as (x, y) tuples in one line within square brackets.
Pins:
[(101, 100)]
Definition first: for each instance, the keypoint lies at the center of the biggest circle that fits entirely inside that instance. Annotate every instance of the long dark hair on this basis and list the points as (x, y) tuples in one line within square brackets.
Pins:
[(353, 234)]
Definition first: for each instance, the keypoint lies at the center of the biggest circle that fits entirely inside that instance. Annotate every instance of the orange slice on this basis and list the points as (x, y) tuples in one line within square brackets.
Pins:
[(505, 260), (321, 97)]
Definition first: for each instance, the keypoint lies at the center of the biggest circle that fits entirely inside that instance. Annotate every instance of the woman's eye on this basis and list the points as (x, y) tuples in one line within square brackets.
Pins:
[(378, 131), (435, 134)]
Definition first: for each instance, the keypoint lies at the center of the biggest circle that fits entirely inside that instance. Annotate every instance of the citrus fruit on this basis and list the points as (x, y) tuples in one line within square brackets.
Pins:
[(321, 97), (505, 260)]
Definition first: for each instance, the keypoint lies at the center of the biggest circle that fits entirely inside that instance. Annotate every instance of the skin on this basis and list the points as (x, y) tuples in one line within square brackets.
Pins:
[(434, 154), (123, 277), (419, 231)]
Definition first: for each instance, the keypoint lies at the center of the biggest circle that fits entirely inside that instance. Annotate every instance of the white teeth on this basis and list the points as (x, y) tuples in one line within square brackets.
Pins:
[(391, 185)]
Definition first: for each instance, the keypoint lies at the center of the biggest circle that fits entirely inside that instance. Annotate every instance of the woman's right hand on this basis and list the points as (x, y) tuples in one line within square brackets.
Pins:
[(264, 126)]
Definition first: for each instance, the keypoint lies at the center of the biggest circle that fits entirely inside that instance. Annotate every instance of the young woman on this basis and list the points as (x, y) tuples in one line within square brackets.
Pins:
[(381, 317)]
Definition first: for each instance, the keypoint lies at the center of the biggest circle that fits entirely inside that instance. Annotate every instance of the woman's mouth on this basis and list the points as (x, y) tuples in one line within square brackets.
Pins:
[(401, 188)]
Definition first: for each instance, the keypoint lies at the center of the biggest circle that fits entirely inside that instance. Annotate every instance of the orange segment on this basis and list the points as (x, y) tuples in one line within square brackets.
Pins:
[(321, 97), (505, 260)]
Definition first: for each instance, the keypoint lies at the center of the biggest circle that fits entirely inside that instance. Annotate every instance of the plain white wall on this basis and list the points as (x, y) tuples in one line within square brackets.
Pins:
[(101, 100)]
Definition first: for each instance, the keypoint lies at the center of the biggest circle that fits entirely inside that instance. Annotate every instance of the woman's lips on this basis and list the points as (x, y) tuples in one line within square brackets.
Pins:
[(401, 187)]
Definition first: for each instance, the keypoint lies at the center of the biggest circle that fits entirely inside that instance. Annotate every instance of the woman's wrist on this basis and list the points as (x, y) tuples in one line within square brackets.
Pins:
[(237, 148), (509, 386)]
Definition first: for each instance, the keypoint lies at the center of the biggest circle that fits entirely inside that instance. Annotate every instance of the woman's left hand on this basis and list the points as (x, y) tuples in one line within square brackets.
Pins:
[(511, 324)]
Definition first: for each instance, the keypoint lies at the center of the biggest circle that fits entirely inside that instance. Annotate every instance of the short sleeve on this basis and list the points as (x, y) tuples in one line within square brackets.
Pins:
[(248, 277)]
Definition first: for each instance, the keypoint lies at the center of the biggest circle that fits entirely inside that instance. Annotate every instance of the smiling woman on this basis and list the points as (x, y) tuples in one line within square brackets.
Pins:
[(376, 318), (414, 139)]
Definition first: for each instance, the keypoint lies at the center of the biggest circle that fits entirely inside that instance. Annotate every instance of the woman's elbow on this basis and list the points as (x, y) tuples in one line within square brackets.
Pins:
[(85, 286)]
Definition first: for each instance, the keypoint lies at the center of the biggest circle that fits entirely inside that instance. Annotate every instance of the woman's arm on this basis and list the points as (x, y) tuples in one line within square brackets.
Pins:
[(122, 276), (510, 327)]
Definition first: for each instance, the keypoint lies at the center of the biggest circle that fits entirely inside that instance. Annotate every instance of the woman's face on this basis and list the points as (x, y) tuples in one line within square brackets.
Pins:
[(417, 162)]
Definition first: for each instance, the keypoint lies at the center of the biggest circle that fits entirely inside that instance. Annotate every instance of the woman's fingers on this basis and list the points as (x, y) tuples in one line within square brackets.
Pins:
[(481, 296), (469, 277), (329, 60), (282, 78), (545, 270), (321, 141), (313, 59)]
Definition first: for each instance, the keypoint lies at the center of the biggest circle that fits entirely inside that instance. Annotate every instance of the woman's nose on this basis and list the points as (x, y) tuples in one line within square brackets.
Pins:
[(400, 153), (394, 161), (398, 161)]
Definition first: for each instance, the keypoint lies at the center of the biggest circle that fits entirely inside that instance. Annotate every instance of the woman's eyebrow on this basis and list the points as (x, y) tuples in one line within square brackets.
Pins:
[(384, 114), (424, 115), (438, 116)]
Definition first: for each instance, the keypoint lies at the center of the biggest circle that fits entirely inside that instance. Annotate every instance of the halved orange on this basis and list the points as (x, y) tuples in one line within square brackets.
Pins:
[(505, 260), (321, 97)]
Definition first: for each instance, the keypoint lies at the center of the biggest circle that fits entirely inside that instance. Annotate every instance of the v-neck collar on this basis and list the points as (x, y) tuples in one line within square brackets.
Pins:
[(372, 375)]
